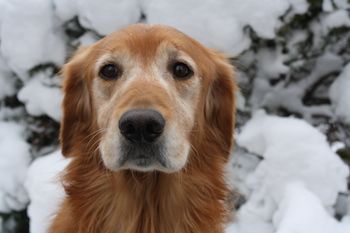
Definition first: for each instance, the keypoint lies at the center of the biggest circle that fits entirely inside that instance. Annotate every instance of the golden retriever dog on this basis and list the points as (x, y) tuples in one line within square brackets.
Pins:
[(148, 119)]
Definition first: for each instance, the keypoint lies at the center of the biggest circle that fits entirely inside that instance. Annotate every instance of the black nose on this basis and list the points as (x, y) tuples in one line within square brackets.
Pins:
[(141, 125)]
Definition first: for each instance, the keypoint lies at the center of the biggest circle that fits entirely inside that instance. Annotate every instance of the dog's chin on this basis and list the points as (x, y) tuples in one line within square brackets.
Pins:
[(146, 158), (146, 166), (142, 164)]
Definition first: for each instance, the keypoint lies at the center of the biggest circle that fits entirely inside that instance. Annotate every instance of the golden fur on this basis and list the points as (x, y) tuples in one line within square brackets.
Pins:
[(103, 201)]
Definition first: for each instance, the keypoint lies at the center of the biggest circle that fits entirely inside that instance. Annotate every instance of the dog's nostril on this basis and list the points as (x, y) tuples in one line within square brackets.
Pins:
[(141, 125), (152, 130), (128, 129)]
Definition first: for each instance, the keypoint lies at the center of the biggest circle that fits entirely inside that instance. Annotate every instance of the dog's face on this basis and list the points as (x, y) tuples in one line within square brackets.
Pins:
[(145, 99), (145, 91)]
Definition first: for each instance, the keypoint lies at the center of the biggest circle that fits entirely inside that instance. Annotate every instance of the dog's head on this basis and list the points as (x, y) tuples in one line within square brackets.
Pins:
[(140, 97)]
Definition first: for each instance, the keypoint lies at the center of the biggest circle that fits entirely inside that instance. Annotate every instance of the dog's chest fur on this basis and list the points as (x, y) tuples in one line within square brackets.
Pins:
[(102, 202)]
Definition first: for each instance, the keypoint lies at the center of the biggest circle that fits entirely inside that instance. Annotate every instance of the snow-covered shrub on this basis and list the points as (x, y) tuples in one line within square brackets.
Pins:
[(297, 164), (292, 59)]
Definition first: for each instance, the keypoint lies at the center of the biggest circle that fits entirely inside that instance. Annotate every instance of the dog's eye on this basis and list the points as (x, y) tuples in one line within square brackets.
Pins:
[(181, 71), (110, 72)]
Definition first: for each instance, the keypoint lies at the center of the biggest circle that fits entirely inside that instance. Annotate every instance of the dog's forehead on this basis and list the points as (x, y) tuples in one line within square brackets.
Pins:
[(145, 40)]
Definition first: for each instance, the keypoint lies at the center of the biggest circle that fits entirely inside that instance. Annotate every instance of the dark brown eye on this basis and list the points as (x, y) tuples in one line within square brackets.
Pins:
[(110, 72), (181, 71)]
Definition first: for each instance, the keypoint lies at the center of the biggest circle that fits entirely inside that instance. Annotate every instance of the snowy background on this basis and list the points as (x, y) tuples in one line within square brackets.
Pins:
[(290, 166)]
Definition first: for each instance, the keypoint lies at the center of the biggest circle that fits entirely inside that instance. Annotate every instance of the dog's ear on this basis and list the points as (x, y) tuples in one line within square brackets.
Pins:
[(220, 106), (76, 121)]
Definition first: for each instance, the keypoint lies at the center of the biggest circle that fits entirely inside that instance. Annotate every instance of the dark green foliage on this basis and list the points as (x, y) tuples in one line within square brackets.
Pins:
[(15, 222)]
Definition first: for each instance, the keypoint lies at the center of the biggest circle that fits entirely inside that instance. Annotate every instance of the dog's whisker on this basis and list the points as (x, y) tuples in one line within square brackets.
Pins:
[(94, 147), (93, 136)]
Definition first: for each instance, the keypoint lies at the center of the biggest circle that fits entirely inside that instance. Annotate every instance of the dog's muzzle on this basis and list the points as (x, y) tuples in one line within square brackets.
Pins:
[(142, 131)]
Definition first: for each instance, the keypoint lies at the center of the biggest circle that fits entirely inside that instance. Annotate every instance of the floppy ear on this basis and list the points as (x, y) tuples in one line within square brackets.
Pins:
[(220, 106), (76, 121)]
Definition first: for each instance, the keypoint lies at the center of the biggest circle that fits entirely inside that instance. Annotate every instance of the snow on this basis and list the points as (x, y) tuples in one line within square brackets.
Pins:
[(106, 16), (297, 37), (222, 20), (40, 98), (14, 160), (227, 37), (295, 185), (291, 177), (292, 151), (7, 82), (45, 190), (102, 17), (87, 38), (342, 4), (299, 6), (240, 166), (6, 85), (271, 63), (26, 39), (346, 223), (335, 146), (335, 19), (340, 95), (262, 16), (327, 5), (248, 222), (65, 10), (290, 97), (289, 218)]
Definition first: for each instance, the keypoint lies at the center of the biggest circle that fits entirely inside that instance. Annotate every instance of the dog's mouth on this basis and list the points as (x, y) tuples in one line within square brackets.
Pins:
[(143, 156)]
